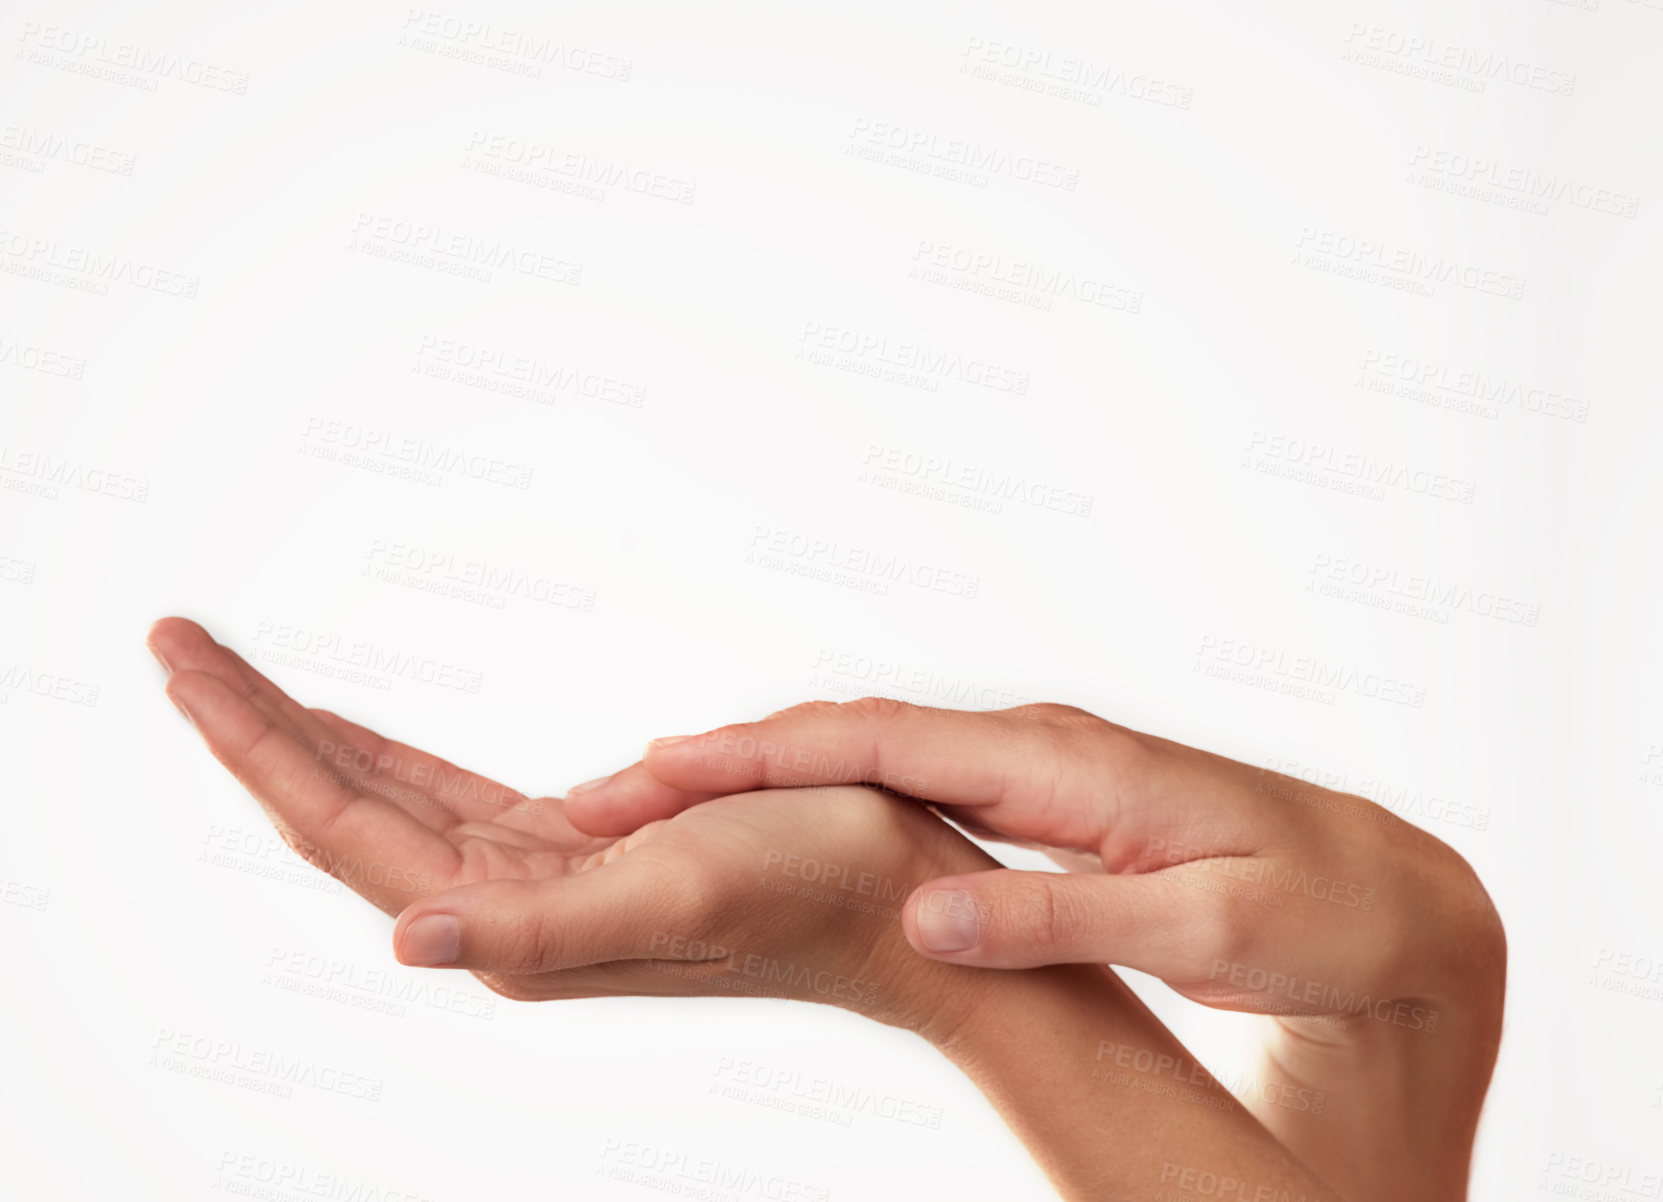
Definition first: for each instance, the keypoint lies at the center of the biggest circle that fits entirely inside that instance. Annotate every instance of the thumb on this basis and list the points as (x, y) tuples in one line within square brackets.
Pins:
[(1009, 919), (607, 913)]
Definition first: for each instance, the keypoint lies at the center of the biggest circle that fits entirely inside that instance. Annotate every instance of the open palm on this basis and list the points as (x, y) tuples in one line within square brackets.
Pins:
[(390, 821), (680, 906)]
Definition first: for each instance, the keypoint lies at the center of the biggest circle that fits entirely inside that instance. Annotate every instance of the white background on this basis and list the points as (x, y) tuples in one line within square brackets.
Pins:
[(1281, 205)]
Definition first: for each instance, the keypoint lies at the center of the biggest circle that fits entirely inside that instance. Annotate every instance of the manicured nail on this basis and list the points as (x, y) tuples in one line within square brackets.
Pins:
[(666, 741), (160, 658), (590, 784), (433, 940), (947, 921)]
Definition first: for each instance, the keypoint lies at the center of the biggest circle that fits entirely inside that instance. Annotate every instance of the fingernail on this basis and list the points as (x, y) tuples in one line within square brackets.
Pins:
[(947, 921), (666, 741), (590, 784), (431, 941), (183, 709), (160, 658)]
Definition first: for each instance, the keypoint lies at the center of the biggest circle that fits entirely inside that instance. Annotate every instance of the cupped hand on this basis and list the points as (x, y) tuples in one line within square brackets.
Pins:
[(744, 896), (1371, 942)]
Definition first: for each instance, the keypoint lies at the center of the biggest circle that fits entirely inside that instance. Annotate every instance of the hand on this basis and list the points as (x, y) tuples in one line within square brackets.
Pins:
[(1372, 943), (482, 877), (743, 895)]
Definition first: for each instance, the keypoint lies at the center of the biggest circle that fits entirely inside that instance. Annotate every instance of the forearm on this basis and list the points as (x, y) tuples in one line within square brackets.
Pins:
[(1107, 1100)]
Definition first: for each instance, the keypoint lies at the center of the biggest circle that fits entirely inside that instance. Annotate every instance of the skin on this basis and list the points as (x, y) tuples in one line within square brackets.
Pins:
[(703, 902), (1371, 949)]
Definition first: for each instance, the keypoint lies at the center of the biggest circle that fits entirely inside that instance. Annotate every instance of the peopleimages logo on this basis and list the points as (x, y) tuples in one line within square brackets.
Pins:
[(1413, 54), (1483, 172), (579, 168), (1411, 593), (1610, 1179), (471, 40), (962, 152), (1365, 469), (436, 571), (46, 684), (1204, 1183), (863, 673), (463, 253), (243, 1173), (327, 436), (48, 362), (523, 377), (984, 272), (147, 63), (1368, 254), (1310, 997), (821, 1097), (233, 1062), (863, 568), (1433, 382), (690, 1176), (906, 356), (365, 656), (95, 268), (1274, 665), (42, 146), (1196, 858), (43, 475), (974, 479), (1070, 77), (698, 956)]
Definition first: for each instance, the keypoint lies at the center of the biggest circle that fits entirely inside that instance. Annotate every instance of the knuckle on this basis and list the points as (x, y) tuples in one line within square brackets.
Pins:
[(689, 898), (527, 942), (1043, 917), (1127, 752), (532, 944), (1219, 932), (1054, 746), (707, 907), (1126, 764), (1057, 714), (803, 709), (879, 709), (1069, 733)]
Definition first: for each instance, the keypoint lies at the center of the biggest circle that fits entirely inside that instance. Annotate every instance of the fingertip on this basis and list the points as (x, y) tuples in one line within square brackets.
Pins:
[(166, 631), (624, 802), (663, 749), (429, 941), (189, 689), (173, 626), (189, 682), (943, 919), (593, 814)]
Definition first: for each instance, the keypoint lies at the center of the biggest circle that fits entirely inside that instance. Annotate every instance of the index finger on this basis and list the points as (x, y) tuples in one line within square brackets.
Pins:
[(372, 846), (1048, 773)]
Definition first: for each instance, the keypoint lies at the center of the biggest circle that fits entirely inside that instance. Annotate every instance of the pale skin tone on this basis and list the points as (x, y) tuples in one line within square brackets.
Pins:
[(699, 902), (1369, 946)]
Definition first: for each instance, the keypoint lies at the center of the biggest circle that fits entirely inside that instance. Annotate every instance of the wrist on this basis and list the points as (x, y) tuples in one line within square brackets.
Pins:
[(1105, 1098), (1401, 1100), (914, 991)]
